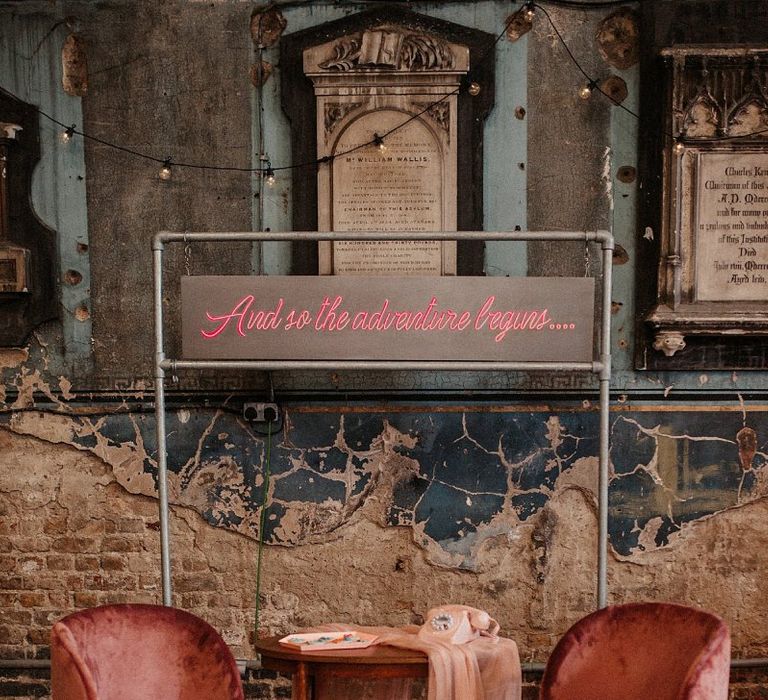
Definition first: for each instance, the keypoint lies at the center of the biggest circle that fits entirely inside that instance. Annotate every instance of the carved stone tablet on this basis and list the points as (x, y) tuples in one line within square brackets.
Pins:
[(396, 189), (400, 85), (732, 226), (710, 306)]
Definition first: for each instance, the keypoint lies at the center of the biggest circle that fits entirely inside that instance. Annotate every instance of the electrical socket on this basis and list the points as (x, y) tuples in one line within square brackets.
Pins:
[(261, 412)]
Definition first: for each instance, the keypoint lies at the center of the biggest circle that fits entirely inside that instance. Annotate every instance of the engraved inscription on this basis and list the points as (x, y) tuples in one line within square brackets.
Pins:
[(395, 189), (731, 227), (400, 85)]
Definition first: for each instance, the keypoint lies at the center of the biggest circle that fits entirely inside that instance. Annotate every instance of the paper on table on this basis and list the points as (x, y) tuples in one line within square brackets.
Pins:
[(328, 641)]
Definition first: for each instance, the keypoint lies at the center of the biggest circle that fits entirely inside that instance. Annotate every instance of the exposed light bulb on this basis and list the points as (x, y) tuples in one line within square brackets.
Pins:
[(165, 171), (269, 177), (68, 134), (679, 147), (529, 11), (474, 89), (379, 143), (585, 91)]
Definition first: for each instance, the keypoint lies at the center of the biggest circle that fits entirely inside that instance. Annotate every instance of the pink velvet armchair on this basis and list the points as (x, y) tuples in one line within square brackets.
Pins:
[(138, 652), (641, 651)]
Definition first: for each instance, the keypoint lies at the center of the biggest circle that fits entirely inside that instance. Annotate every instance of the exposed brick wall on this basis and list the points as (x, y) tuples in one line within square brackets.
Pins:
[(749, 684), (52, 567), (25, 684), (72, 538)]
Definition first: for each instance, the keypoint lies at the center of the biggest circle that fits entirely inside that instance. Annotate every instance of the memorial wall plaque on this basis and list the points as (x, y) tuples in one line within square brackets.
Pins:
[(397, 189), (712, 294), (401, 84), (731, 226)]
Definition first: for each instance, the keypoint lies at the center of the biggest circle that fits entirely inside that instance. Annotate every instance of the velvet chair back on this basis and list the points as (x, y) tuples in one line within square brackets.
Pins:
[(641, 651), (140, 652)]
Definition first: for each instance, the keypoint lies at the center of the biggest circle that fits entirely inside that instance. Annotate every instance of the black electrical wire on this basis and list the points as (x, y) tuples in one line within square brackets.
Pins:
[(593, 84), (379, 138), (71, 129), (593, 4), (483, 58), (168, 161)]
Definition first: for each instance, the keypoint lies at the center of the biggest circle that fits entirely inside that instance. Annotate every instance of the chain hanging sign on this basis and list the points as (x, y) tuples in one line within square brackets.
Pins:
[(387, 318)]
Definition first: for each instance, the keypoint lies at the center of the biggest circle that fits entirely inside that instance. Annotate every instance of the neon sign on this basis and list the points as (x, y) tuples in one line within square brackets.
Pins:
[(415, 318)]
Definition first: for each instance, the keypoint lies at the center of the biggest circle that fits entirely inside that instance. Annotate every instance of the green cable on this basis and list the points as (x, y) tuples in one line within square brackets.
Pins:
[(262, 520)]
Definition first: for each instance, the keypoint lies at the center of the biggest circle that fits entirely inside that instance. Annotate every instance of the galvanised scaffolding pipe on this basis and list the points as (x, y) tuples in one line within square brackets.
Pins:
[(162, 452), (601, 367), (605, 393)]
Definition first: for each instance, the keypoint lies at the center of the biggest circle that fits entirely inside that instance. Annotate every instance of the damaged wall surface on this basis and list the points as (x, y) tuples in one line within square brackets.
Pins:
[(389, 492), (456, 476), (366, 507), (495, 502)]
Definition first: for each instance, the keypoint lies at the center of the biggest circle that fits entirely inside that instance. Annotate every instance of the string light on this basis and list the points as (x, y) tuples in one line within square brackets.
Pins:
[(166, 173), (269, 176), (474, 89), (679, 146), (68, 134), (529, 11), (585, 91)]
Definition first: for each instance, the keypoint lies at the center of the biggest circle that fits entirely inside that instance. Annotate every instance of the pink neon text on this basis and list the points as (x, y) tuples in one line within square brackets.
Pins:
[(245, 319)]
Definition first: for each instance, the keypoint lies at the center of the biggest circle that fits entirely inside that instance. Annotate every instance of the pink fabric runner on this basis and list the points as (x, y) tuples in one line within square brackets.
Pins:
[(487, 668)]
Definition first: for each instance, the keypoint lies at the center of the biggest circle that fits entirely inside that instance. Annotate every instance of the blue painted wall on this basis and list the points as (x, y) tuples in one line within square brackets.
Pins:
[(461, 474), (30, 66)]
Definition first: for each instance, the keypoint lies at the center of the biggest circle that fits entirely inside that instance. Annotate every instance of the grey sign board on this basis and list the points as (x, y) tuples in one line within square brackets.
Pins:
[(387, 318)]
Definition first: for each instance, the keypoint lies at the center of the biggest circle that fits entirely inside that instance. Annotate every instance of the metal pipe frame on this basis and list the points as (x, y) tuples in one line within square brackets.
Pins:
[(191, 237), (600, 367), (162, 448), (448, 365), (605, 395)]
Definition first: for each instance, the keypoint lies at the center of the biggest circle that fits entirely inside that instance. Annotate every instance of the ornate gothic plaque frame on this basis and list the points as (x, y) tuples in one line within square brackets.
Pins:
[(28, 258), (387, 80), (713, 259), (391, 41)]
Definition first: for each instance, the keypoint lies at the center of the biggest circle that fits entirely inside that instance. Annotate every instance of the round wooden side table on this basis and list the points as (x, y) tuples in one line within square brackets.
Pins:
[(375, 662)]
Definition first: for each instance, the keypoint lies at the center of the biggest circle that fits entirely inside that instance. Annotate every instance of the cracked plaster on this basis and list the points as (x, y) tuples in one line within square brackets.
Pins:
[(402, 507), (455, 478)]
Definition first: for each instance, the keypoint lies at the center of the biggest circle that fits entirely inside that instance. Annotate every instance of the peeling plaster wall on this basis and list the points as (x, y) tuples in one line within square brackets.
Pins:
[(376, 514), (391, 494)]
